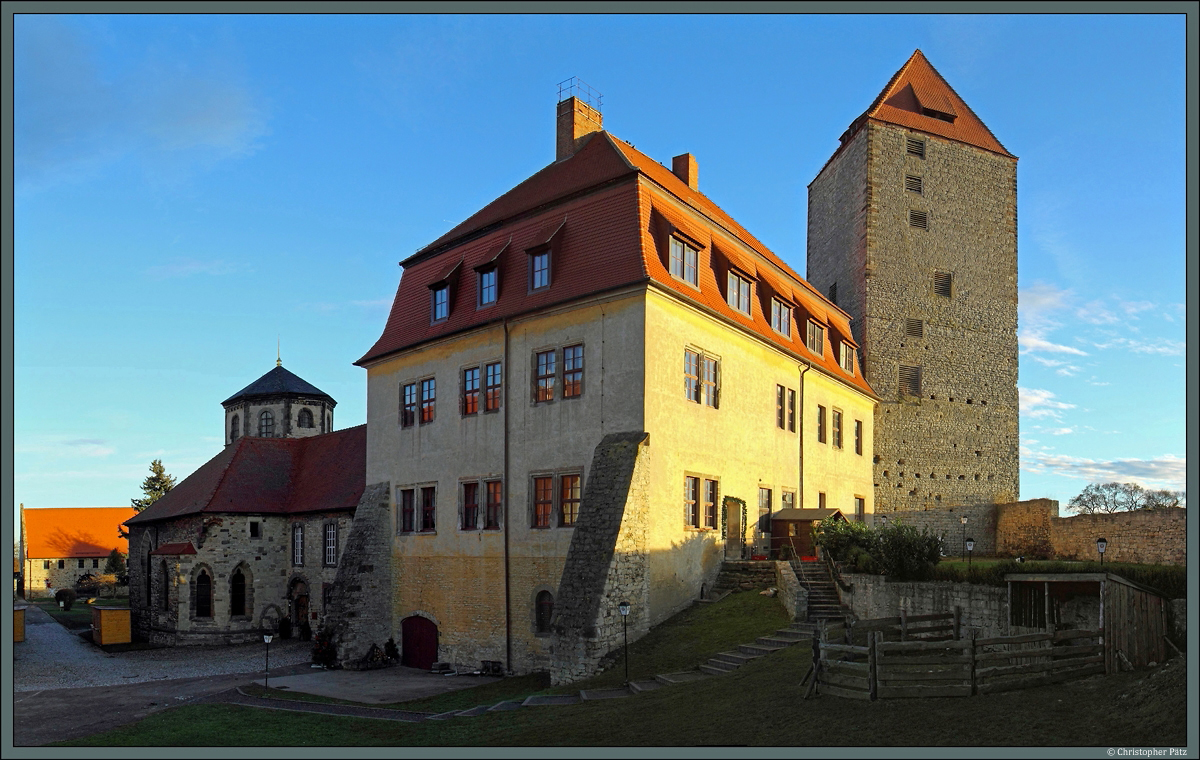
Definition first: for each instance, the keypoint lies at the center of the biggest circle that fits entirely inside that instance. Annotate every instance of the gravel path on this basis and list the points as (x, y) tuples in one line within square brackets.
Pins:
[(54, 658)]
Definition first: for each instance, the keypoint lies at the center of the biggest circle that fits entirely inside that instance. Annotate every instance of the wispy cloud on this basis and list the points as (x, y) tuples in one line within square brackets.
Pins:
[(190, 267), (74, 117), (1033, 339), (1167, 471), (1037, 403), (1036, 304), (1157, 346), (62, 446)]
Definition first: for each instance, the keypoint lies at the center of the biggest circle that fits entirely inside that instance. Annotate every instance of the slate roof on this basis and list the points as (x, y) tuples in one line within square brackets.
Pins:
[(277, 382), (72, 532), (607, 236), (272, 476)]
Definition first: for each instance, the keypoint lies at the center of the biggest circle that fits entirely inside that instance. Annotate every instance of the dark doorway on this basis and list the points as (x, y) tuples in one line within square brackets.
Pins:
[(299, 605), (419, 642)]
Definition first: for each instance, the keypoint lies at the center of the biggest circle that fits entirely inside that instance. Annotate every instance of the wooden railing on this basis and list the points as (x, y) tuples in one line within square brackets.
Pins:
[(914, 656)]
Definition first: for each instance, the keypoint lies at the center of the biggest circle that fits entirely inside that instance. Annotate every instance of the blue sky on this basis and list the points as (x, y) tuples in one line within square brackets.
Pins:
[(188, 189)]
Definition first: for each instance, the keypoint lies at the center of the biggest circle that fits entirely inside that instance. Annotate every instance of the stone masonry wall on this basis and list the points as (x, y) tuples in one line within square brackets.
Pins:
[(956, 443), (360, 611), (606, 563), (947, 523), (791, 593), (1023, 529), (1034, 529), (984, 608)]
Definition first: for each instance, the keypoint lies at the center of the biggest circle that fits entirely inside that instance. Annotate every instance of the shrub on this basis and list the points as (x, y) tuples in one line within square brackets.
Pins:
[(285, 628), (1171, 580), (839, 537), (323, 651), (906, 554), (65, 597), (391, 650)]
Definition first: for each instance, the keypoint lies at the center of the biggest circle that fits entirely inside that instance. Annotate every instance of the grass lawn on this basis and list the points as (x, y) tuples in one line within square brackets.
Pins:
[(80, 614), (680, 643), (760, 704)]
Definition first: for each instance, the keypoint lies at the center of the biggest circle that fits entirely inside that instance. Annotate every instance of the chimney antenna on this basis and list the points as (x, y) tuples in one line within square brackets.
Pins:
[(577, 88)]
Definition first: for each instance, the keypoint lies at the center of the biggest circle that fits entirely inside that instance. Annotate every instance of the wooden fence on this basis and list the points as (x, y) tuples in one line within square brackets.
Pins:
[(915, 656)]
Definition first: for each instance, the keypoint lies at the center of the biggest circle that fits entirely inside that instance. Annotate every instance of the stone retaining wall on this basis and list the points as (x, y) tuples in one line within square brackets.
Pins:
[(984, 608), (1034, 529), (791, 593)]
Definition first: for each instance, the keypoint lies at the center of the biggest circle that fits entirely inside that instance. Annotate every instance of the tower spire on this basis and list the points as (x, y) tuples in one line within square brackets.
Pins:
[(278, 361)]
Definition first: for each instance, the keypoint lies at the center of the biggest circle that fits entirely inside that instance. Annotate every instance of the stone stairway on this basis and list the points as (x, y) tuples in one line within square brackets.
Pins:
[(823, 601), (727, 662)]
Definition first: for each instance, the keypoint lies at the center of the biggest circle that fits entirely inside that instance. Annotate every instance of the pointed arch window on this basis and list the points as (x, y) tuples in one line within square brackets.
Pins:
[(266, 424), (203, 595), (237, 593)]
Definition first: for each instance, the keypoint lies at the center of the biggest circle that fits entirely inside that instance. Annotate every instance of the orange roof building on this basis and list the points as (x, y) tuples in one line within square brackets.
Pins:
[(576, 391), (74, 532)]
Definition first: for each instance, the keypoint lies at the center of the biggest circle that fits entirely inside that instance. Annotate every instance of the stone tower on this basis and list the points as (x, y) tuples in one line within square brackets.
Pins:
[(912, 229), (278, 405)]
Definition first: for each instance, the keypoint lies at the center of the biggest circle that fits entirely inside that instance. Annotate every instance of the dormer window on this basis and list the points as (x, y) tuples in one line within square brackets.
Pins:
[(781, 318), (487, 286), (441, 302), (684, 262), (936, 114), (846, 357), (539, 270), (737, 293), (815, 339)]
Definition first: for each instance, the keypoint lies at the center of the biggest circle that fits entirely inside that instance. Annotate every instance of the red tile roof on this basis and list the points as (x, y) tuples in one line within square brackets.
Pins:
[(608, 238), (916, 85), (75, 532), (272, 476), (174, 550)]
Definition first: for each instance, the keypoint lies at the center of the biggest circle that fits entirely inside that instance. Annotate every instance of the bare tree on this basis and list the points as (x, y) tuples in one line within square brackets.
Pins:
[(1107, 498)]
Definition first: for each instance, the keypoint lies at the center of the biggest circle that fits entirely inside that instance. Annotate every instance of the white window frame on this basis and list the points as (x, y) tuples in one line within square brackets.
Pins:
[(781, 318), (685, 266), (739, 292), (814, 338)]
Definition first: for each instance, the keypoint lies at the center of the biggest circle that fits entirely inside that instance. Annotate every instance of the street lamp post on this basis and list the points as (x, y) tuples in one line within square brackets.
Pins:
[(970, 550), (623, 607), (1101, 545), (963, 519), (267, 672)]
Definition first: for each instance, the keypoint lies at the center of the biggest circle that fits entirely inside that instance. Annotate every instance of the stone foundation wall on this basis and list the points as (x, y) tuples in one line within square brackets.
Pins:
[(791, 593), (984, 608), (606, 563)]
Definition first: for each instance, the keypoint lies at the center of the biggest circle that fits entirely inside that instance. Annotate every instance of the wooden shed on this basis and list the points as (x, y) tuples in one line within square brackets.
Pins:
[(793, 527), (1133, 617), (110, 625)]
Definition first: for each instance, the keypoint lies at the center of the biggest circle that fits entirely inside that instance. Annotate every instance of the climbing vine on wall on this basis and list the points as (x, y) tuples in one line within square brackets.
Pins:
[(725, 516)]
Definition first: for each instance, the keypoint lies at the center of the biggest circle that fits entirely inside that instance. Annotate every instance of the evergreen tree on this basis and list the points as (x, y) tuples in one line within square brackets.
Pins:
[(155, 486), (115, 565)]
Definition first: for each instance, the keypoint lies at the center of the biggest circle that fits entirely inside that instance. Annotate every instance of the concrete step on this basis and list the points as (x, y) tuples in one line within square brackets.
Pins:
[(648, 685), (551, 699), (589, 695), (444, 716), (479, 710), (758, 649), (508, 704), (686, 676), (736, 659), (774, 641), (789, 634), (713, 670)]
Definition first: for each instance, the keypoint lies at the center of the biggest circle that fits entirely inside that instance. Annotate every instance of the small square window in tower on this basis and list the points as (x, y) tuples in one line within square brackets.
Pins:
[(914, 328), (918, 219), (915, 147), (910, 380), (943, 284)]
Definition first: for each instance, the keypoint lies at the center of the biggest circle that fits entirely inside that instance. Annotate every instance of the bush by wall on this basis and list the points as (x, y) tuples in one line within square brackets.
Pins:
[(897, 550), (65, 597)]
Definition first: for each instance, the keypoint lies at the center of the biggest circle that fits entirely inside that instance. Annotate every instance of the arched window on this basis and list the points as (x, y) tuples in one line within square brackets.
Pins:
[(203, 595), (544, 610), (304, 419), (237, 593), (164, 587), (146, 576), (235, 429), (266, 424)]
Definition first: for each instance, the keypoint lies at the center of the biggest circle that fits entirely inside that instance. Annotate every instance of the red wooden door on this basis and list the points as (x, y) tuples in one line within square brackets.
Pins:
[(419, 641)]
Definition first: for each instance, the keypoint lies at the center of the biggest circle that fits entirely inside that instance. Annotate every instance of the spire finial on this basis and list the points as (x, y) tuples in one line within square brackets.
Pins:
[(278, 361)]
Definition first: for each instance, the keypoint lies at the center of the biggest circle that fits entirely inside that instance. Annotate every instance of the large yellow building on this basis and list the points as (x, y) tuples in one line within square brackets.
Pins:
[(576, 390)]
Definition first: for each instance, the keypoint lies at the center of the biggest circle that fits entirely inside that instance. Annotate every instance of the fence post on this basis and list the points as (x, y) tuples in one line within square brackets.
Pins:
[(957, 622), (903, 625), (971, 653), (872, 672)]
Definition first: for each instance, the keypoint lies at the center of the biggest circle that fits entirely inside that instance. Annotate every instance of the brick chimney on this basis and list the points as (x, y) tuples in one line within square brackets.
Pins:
[(576, 120), (684, 167)]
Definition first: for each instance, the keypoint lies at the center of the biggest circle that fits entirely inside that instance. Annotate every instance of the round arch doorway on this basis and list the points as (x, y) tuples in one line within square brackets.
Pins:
[(298, 603), (419, 638)]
